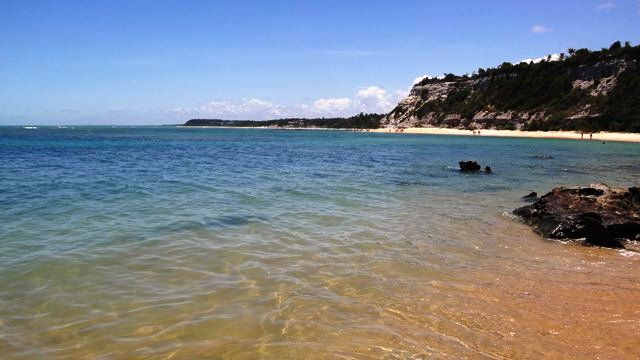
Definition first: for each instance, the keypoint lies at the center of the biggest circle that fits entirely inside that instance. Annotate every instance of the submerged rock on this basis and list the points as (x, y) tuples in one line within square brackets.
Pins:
[(598, 215)]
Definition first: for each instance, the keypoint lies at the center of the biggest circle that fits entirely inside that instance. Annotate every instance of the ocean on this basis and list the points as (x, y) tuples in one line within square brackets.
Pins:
[(169, 242)]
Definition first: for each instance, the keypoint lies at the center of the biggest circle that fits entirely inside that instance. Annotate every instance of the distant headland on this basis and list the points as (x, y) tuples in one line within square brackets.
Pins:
[(360, 121)]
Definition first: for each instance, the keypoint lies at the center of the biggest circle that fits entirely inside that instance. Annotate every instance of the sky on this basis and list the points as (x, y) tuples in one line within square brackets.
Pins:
[(164, 62)]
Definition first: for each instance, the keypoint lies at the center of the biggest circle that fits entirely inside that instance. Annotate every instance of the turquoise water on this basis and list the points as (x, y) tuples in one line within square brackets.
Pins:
[(242, 243)]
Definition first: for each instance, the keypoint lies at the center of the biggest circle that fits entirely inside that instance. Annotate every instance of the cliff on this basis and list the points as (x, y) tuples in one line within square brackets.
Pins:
[(584, 90)]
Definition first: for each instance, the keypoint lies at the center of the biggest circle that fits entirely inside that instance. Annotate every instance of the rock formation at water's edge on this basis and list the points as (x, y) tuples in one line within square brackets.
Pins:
[(596, 215)]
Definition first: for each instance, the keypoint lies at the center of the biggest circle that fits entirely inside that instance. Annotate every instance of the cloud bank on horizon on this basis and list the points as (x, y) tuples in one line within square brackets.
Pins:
[(371, 99)]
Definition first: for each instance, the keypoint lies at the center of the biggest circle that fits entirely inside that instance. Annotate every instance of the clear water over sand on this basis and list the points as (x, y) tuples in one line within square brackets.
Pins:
[(122, 243)]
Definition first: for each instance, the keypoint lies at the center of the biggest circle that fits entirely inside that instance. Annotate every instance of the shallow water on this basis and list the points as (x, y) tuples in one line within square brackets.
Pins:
[(121, 243)]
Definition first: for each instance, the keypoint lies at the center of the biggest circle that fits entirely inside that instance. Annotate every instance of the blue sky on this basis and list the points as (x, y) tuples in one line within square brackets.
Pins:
[(158, 62)]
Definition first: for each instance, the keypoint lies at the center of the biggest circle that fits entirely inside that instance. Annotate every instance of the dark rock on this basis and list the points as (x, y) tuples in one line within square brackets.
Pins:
[(531, 195), (598, 214), (473, 167), (587, 191), (587, 226), (628, 230), (544, 157), (469, 166)]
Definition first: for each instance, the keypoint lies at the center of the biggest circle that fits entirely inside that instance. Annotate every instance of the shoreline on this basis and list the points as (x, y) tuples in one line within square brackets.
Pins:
[(572, 135)]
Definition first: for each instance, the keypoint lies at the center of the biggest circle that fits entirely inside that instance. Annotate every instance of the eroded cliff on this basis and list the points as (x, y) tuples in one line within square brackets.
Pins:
[(585, 90)]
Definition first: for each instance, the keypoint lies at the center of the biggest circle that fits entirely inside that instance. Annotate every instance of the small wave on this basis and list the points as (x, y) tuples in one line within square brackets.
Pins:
[(629, 253), (509, 214), (234, 220), (211, 223)]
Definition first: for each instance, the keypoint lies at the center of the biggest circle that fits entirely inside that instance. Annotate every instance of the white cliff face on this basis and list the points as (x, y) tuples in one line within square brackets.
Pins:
[(596, 80), (605, 84), (582, 84), (404, 115)]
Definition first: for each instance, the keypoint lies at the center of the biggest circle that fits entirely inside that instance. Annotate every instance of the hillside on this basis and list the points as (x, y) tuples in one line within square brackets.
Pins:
[(582, 90), (360, 121)]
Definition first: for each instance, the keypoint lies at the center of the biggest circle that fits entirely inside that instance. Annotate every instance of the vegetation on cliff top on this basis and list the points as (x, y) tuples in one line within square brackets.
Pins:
[(547, 86)]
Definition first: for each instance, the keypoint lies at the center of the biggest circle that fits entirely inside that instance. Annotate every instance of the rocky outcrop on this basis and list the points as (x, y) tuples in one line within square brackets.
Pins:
[(596, 215)]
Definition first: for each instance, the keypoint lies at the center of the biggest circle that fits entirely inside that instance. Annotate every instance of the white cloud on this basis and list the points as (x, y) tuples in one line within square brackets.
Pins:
[(371, 99), (552, 57), (401, 94), (420, 78), (607, 5), (539, 29), (246, 109), (332, 104)]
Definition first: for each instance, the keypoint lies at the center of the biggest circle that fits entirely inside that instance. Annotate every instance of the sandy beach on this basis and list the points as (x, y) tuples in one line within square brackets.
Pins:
[(601, 136)]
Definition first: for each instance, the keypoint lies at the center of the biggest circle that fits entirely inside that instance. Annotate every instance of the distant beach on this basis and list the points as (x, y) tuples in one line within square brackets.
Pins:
[(572, 135), (600, 136)]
